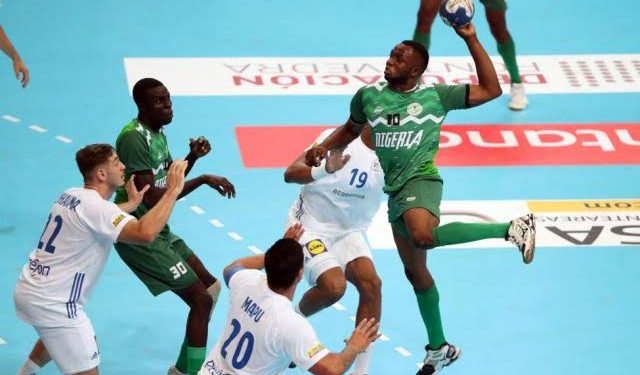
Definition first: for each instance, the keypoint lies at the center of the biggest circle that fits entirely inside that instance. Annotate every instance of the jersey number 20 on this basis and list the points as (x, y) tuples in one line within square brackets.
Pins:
[(244, 348)]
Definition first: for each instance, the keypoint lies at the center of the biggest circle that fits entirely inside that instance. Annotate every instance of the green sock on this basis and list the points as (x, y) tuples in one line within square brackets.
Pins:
[(454, 233), (195, 359), (181, 363), (429, 305), (422, 38), (508, 52)]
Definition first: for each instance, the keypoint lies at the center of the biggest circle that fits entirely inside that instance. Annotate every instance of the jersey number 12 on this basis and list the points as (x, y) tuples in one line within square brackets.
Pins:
[(50, 248)]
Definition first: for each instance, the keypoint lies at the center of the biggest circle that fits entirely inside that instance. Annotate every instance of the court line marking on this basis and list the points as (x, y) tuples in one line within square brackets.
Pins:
[(338, 306), (235, 236), (38, 129), (197, 210), (402, 351), (255, 249), (10, 118), (216, 223), (63, 139)]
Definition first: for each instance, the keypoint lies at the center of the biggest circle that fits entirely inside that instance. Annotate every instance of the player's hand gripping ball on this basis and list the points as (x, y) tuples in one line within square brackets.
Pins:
[(456, 13)]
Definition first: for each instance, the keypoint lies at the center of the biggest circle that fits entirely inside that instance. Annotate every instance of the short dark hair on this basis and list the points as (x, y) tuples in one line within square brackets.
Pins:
[(421, 50), (283, 261), (142, 86), (89, 157)]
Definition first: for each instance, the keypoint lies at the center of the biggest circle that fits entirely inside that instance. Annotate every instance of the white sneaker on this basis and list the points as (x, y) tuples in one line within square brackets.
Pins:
[(518, 100), (174, 371), (436, 359), (522, 233)]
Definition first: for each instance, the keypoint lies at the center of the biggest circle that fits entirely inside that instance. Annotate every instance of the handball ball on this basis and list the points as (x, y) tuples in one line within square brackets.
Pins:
[(456, 13)]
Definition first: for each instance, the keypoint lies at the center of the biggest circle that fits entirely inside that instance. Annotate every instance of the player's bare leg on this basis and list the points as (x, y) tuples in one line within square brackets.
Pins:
[(426, 15), (208, 280), (212, 286), (38, 357), (200, 303), (362, 274), (330, 287)]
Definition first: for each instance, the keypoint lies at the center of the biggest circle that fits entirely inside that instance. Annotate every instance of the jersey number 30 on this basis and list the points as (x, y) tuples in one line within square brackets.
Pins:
[(50, 248)]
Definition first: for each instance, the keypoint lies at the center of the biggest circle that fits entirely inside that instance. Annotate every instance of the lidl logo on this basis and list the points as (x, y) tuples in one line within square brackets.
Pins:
[(316, 247)]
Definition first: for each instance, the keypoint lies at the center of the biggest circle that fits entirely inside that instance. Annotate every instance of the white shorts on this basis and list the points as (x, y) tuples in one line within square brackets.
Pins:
[(73, 348), (322, 252)]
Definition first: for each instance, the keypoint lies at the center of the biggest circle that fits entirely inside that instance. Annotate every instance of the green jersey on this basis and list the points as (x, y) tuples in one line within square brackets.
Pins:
[(141, 149), (406, 126)]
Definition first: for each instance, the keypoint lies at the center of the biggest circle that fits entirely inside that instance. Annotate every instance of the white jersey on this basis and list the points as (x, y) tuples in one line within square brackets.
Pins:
[(61, 272), (345, 200), (263, 333)]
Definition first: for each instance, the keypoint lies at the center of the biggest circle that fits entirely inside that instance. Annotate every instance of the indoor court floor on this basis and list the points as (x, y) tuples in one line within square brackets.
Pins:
[(260, 79)]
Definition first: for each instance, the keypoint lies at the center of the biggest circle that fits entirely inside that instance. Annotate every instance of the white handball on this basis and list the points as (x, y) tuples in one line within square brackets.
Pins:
[(456, 13)]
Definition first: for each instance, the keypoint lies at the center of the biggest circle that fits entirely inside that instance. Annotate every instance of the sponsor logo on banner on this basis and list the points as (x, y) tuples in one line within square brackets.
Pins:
[(344, 75), (472, 145), (602, 222)]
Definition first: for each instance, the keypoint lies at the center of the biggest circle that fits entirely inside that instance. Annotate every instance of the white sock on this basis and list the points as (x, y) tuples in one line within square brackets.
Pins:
[(214, 290), (361, 364), (29, 368)]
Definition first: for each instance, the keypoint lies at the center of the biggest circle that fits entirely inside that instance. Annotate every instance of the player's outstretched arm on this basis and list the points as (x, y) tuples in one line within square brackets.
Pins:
[(339, 139), (337, 363), (220, 184), (147, 228), (488, 87)]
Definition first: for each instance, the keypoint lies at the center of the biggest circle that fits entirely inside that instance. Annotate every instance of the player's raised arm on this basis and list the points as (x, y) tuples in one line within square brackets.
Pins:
[(488, 87), (198, 147), (339, 139), (301, 173), (147, 228), (134, 195)]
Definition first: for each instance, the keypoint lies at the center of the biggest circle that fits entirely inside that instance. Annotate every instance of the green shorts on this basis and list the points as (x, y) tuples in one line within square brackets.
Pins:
[(161, 265), (495, 4), (422, 192)]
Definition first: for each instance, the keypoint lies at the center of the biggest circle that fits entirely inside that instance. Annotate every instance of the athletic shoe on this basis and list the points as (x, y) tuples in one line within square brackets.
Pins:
[(436, 359), (174, 371), (522, 233), (518, 100)]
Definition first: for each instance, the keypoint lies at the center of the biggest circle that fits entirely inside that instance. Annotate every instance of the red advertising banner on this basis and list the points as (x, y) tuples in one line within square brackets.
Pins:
[(471, 145)]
